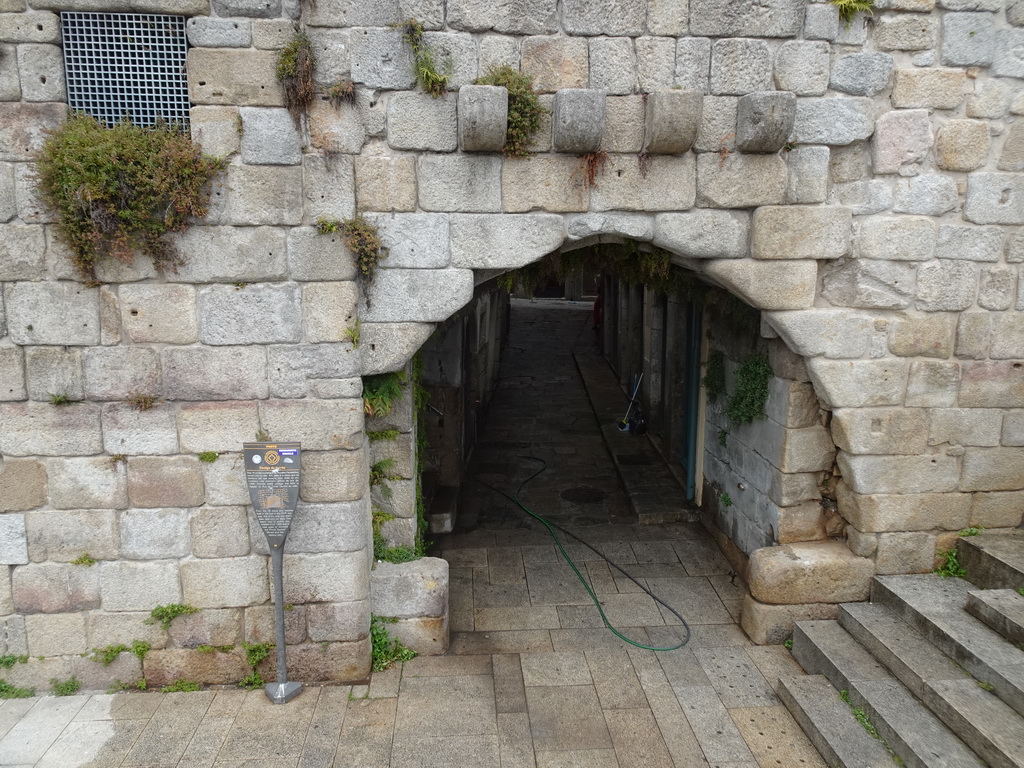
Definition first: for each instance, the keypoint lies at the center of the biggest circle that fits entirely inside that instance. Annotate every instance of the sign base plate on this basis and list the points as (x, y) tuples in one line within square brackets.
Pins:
[(282, 693)]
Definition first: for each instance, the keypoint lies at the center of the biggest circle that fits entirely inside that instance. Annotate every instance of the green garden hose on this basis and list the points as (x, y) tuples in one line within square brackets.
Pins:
[(551, 530)]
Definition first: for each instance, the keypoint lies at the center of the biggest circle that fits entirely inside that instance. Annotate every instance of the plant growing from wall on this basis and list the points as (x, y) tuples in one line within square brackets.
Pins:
[(140, 401), (208, 457), (342, 92), (848, 9), (165, 614), (746, 404), (61, 399), (384, 648), (427, 75), (353, 332), (84, 559), (68, 687), (8, 691), (362, 240), (381, 392), (121, 190), (9, 660), (382, 434), (950, 567), (254, 654), (181, 685), (524, 108), (295, 66), (380, 474)]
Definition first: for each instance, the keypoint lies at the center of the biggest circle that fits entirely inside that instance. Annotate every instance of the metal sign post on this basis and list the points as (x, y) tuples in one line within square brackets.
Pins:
[(272, 474)]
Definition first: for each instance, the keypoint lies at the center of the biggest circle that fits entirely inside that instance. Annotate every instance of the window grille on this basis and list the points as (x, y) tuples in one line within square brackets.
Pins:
[(127, 66)]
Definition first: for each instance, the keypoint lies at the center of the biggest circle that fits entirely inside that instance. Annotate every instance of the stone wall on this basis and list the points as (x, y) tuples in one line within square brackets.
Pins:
[(859, 183)]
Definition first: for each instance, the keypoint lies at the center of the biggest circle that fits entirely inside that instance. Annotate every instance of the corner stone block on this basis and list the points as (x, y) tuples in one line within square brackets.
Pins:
[(671, 122), (669, 184), (13, 539), (151, 534), (483, 118), (810, 572), (833, 121), (411, 295), (41, 429), (903, 238), (320, 425), (389, 346), (292, 366), (703, 233), (417, 121), (132, 433), (22, 484), (995, 198), (832, 333), (901, 138), (799, 232), (503, 241), (57, 313), (88, 483), (62, 536), (767, 285), (556, 62), (869, 284), (328, 310), (113, 373), (764, 121), (880, 431), (225, 582), (905, 553), (578, 120), (773, 624), (254, 314), (127, 586), (858, 383), (410, 590), (742, 181), (997, 510), (218, 426), (234, 77), (165, 481), (326, 578)]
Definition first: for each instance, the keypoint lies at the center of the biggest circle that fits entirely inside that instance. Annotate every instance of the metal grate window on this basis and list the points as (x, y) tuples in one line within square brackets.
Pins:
[(127, 66)]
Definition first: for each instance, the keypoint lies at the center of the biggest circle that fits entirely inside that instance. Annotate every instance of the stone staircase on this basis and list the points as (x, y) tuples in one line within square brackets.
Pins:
[(933, 666)]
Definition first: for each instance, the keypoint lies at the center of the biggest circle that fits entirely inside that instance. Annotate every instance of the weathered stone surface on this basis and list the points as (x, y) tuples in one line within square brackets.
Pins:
[(703, 234), (153, 312), (503, 241), (219, 532), (521, 17), (764, 121), (10, 84), (672, 119), (833, 121), (269, 137), (669, 184), (905, 553), (163, 667), (741, 181), (578, 120), (153, 534), (483, 118), (224, 482), (858, 383), (997, 510), (127, 431), (991, 98), (322, 528), (22, 484), (717, 131), (219, 254), (963, 145), (13, 373), (613, 65), (254, 314), (380, 58), (904, 512), (965, 426), (740, 66), (993, 469), (114, 373), (901, 139), (655, 63), (936, 88), (861, 74), (63, 536), (217, 426), (969, 243), (555, 63), (995, 291), (720, 18), (210, 627), (324, 424), (28, 27), (329, 311), (312, 256), (420, 122), (928, 194), (215, 129), (458, 182), (159, 481), (326, 578), (802, 67), (773, 624), (55, 634), (71, 316), (902, 238), (410, 590), (336, 130), (932, 384), (127, 586), (498, 51), (900, 474), (455, 54), (905, 33), (202, 373), (767, 285), (42, 72), (263, 195), (546, 182), (821, 22), (968, 39), (292, 366), (400, 295), (992, 385), (603, 17), (208, 32), (331, 476), (234, 77), (87, 483), (1007, 342), (328, 186), (798, 232), (994, 198), (812, 572), (256, 8), (833, 333), (1011, 158), (880, 430), (346, 622), (23, 128), (1006, 62), (40, 429), (385, 183), (260, 624), (389, 346), (945, 286), (693, 63), (13, 539), (225, 582), (916, 336)]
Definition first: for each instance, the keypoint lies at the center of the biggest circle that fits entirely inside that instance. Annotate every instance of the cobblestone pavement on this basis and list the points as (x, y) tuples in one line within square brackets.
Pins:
[(531, 678)]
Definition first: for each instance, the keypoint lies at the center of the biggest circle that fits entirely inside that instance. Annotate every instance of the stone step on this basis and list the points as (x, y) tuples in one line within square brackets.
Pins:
[(985, 723), (908, 727), (993, 560), (935, 607), (1001, 609), (826, 719)]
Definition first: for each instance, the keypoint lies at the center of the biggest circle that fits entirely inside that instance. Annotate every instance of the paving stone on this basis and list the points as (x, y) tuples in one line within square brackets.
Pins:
[(566, 717), (718, 736)]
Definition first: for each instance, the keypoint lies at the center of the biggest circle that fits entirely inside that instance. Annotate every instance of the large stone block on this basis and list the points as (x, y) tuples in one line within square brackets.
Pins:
[(401, 295), (555, 63), (995, 290), (994, 198), (217, 427), (997, 510), (336, 130), (811, 572), (703, 233), (388, 347), (861, 74), (163, 667), (456, 56), (668, 184), (293, 366), (333, 622), (503, 241), (991, 98), (901, 138), (328, 186), (28, 27), (603, 17), (925, 473), (864, 197), (992, 385), (946, 286), (869, 285), (891, 431), (802, 67), (1006, 62), (927, 336), (55, 634), (208, 32), (906, 33), (320, 425), (128, 431), (458, 182), (904, 511), (203, 373), (261, 621), (22, 484), (214, 254), (10, 84), (773, 624), (13, 539), (655, 63), (234, 77), (1007, 342), (219, 532), (165, 481), (932, 384), (331, 476), (483, 118), (968, 39), (385, 183), (993, 469), (578, 120), (215, 129), (858, 383), (833, 333), (269, 137), (153, 534), (934, 88), (612, 65), (764, 121), (329, 310), (418, 121), (498, 51), (905, 553), (88, 483), (13, 373), (721, 18), (210, 627), (127, 586), (52, 313), (224, 482), (114, 373), (902, 238), (42, 72), (410, 590), (322, 528), (381, 59), (930, 194), (225, 582), (740, 66), (24, 127), (966, 426), (63, 536), (313, 256), (1011, 158), (41, 429), (547, 182), (767, 285), (829, 120), (969, 243), (740, 181), (717, 131), (798, 232), (326, 578), (263, 195), (352, 13), (253, 314), (152, 312), (693, 63)]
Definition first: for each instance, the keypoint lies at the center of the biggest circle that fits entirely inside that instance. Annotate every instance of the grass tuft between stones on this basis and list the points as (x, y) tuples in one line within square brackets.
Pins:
[(385, 648)]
